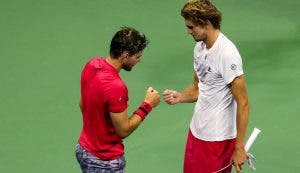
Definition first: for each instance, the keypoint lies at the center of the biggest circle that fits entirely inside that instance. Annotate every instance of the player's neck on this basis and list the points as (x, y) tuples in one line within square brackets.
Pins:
[(114, 62), (212, 37)]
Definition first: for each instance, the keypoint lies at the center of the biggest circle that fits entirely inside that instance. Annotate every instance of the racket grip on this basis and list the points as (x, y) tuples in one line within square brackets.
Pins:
[(252, 138)]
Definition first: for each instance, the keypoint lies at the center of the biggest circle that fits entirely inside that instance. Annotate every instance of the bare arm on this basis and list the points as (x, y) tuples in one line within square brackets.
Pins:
[(188, 95), (239, 92), (124, 124)]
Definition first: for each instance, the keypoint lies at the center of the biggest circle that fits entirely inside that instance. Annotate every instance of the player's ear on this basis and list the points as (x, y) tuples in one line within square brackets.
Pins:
[(124, 56), (207, 23)]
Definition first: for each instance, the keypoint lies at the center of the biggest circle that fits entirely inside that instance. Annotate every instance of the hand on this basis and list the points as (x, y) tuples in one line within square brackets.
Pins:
[(239, 157), (171, 97), (152, 97)]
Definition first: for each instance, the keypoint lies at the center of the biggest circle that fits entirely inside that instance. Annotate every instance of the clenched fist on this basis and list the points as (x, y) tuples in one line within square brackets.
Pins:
[(171, 97), (152, 97)]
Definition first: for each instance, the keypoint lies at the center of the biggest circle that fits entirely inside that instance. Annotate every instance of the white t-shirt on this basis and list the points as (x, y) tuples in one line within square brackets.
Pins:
[(214, 117)]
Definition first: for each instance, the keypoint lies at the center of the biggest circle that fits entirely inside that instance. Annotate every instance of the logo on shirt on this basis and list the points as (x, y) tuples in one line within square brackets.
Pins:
[(233, 67), (209, 70)]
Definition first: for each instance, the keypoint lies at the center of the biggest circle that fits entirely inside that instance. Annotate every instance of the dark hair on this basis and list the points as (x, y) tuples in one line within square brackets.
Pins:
[(127, 39), (201, 11)]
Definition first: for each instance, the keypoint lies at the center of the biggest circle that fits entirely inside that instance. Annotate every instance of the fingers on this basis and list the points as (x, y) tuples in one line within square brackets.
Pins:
[(239, 157), (150, 89), (170, 96), (152, 97), (168, 92), (238, 167), (169, 100)]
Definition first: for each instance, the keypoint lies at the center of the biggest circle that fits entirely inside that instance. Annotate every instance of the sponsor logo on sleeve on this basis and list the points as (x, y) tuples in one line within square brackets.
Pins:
[(233, 67)]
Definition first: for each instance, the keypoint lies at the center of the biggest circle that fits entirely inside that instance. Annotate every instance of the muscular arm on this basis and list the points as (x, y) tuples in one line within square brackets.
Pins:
[(123, 124), (239, 92)]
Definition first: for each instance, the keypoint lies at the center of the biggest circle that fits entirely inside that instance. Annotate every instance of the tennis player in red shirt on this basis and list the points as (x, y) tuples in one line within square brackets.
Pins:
[(103, 104)]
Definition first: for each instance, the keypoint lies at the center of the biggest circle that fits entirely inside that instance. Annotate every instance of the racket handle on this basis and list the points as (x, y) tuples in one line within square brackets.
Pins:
[(252, 138)]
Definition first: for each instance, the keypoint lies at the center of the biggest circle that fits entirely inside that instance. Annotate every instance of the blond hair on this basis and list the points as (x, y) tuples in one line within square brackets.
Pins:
[(202, 11)]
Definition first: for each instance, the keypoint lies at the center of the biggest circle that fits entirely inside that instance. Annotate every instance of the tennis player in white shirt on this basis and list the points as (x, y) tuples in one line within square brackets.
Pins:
[(218, 127)]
